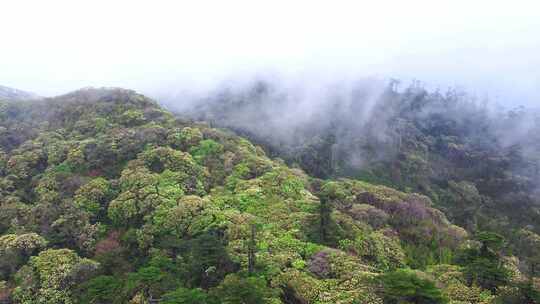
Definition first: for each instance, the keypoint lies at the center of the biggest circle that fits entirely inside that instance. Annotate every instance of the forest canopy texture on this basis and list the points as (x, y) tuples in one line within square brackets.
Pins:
[(106, 197)]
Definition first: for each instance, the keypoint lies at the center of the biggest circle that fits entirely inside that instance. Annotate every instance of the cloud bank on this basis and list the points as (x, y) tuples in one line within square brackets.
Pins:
[(160, 47)]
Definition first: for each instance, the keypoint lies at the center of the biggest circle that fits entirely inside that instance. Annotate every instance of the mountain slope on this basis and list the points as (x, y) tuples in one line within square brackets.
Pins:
[(107, 198), (479, 165), (7, 93)]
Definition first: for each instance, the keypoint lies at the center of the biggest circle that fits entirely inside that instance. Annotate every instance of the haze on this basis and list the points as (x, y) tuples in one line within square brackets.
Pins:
[(490, 48)]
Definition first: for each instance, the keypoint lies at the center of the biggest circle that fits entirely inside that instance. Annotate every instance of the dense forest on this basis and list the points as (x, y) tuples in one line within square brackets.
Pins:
[(478, 163), (106, 197)]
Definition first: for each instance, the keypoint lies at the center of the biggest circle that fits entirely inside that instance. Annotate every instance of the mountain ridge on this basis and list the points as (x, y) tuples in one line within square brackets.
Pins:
[(105, 197), (16, 94)]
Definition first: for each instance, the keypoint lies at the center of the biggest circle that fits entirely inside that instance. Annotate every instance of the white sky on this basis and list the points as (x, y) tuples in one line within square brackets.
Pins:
[(51, 47)]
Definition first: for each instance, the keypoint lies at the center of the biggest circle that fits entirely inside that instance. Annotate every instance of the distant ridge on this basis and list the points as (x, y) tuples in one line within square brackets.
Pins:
[(15, 94)]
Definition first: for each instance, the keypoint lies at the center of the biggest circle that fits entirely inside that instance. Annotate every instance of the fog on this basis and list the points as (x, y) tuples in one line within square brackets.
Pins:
[(357, 121), (163, 48)]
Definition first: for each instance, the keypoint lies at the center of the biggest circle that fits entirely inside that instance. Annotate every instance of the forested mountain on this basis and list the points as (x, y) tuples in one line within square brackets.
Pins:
[(478, 163), (105, 197)]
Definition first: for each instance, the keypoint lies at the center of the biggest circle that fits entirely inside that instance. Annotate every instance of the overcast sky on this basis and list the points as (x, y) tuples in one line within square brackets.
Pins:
[(51, 47)]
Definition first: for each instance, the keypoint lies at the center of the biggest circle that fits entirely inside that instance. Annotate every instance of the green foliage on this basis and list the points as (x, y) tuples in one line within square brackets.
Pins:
[(101, 124), (205, 260), (15, 250), (132, 118), (187, 296), (63, 168), (189, 217), (153, 279), (184, 138), (185, 213), (191, 175), (24, 244), (206, 148), (142, 191), (446, 145), (422, 256), (94, 196), (451, 280), (239, 290), (521, 292), (484, 265), (149, 279), (76, 159), (406, 286), (490, 240), (50, 277), (377, 249), (284, 183), (100, 290)]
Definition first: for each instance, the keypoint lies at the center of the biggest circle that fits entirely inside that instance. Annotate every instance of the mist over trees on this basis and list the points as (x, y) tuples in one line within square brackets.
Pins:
[(479, 162), (105, 197), (354, 117)]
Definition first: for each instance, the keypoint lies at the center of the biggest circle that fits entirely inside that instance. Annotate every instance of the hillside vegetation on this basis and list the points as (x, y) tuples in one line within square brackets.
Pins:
[(479, 164), (107, 198)]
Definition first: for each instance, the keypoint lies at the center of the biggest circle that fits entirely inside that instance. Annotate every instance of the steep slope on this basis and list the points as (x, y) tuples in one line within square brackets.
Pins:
[(107, 198)]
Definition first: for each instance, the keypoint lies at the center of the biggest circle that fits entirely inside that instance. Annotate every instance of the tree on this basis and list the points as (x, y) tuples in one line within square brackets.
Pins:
[(94, 196), (484, 265), (206, 148), (324, 213), (490, 241), (155, 278), (405, 286), (148, 280), (132, 118), (100, 290), (187, 296), (139, 196), (15, 250), (50, 277), (240, 290), (207, 260), (3, 161), (251, 249), (184, 138), (189, 216)]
